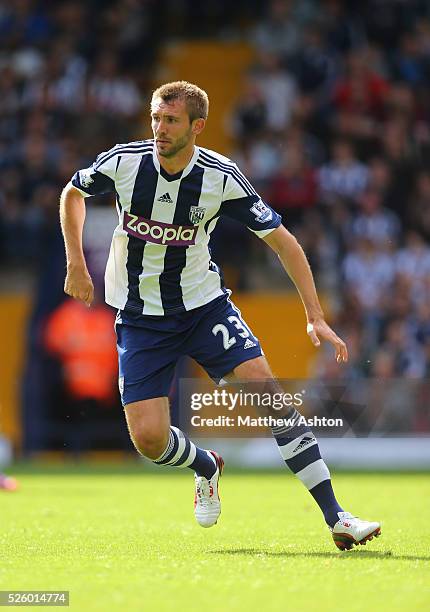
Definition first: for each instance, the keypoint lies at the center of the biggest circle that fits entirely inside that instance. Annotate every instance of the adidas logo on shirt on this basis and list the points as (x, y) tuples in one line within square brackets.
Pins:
[(304, 442), (249, 344), (165, 198)]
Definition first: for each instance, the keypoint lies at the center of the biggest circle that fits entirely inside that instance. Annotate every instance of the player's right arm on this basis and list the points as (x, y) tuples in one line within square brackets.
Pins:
[(78, 283), (95, 180)]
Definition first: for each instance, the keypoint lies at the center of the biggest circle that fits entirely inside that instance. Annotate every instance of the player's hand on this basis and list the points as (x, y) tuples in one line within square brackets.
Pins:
[(320, 328), (78, 284)]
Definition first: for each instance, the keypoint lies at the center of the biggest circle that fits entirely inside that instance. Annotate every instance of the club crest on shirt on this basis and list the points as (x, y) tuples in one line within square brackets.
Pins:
[(261, 211), (85, 176), (196, 214)]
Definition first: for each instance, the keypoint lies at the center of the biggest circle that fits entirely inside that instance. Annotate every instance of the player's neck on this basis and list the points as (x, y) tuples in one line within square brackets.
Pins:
[(173, 165)]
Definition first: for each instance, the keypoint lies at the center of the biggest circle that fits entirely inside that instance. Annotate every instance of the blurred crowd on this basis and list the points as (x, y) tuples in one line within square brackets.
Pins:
[(72, 77), (332, 126)]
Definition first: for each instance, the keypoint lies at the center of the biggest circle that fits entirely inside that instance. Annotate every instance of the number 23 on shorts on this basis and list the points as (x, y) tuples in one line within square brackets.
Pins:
[(227, 339)]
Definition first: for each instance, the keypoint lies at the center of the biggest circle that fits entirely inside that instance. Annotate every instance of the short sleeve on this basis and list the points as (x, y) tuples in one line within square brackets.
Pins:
[(98, 178), (242, 203)]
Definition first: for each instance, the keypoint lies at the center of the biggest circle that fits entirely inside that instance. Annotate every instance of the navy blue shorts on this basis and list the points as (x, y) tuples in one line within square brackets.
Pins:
[(215, 335)]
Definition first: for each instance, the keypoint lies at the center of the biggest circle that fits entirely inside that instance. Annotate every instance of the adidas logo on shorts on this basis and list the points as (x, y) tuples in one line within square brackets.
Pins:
[(249, 344), (165, 198)]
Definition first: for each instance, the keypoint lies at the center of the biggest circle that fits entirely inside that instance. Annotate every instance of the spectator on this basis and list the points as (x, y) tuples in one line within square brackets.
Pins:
[(398, 150), (368, 274), (294, 188), (250, 114), (279, 91), (409, 65), (110, 92), (314, 65), (408, 355), (278, 33), (344, 29), (413, 263), (360, 91), (83, 340), (418, 211), (344, 175), (375, 223), (381, 181), (259, 159)]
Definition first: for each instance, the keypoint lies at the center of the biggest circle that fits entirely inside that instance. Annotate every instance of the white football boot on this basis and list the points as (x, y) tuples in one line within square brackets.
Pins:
[(351, 531), (207, 504)]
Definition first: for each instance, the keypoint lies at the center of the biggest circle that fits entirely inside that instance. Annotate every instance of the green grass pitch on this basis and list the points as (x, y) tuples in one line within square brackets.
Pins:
[(128, 541)]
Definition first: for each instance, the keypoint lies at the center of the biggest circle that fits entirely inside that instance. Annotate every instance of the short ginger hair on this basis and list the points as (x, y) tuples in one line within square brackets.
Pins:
[(196, 99)]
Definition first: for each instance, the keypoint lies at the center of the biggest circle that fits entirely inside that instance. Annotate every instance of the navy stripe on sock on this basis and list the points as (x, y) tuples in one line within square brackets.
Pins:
[(203, 464), (185, 454), (324, 496), (283, 441), (306, 457)]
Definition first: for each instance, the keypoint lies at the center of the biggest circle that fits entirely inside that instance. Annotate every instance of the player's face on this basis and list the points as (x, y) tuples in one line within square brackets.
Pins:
[(171, 125)]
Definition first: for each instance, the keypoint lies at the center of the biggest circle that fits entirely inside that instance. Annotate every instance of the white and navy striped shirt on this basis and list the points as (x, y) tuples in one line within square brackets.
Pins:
[(159, 261)]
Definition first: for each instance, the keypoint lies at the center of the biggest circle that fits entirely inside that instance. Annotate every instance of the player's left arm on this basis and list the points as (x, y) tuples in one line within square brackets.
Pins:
[(297, 267), (242, 203)]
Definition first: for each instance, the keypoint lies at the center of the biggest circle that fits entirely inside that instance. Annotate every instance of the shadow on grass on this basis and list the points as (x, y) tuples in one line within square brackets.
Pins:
[(359, 554)]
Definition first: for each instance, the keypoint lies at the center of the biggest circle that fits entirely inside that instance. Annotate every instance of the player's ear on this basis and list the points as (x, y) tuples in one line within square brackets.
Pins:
[(198, 126)]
